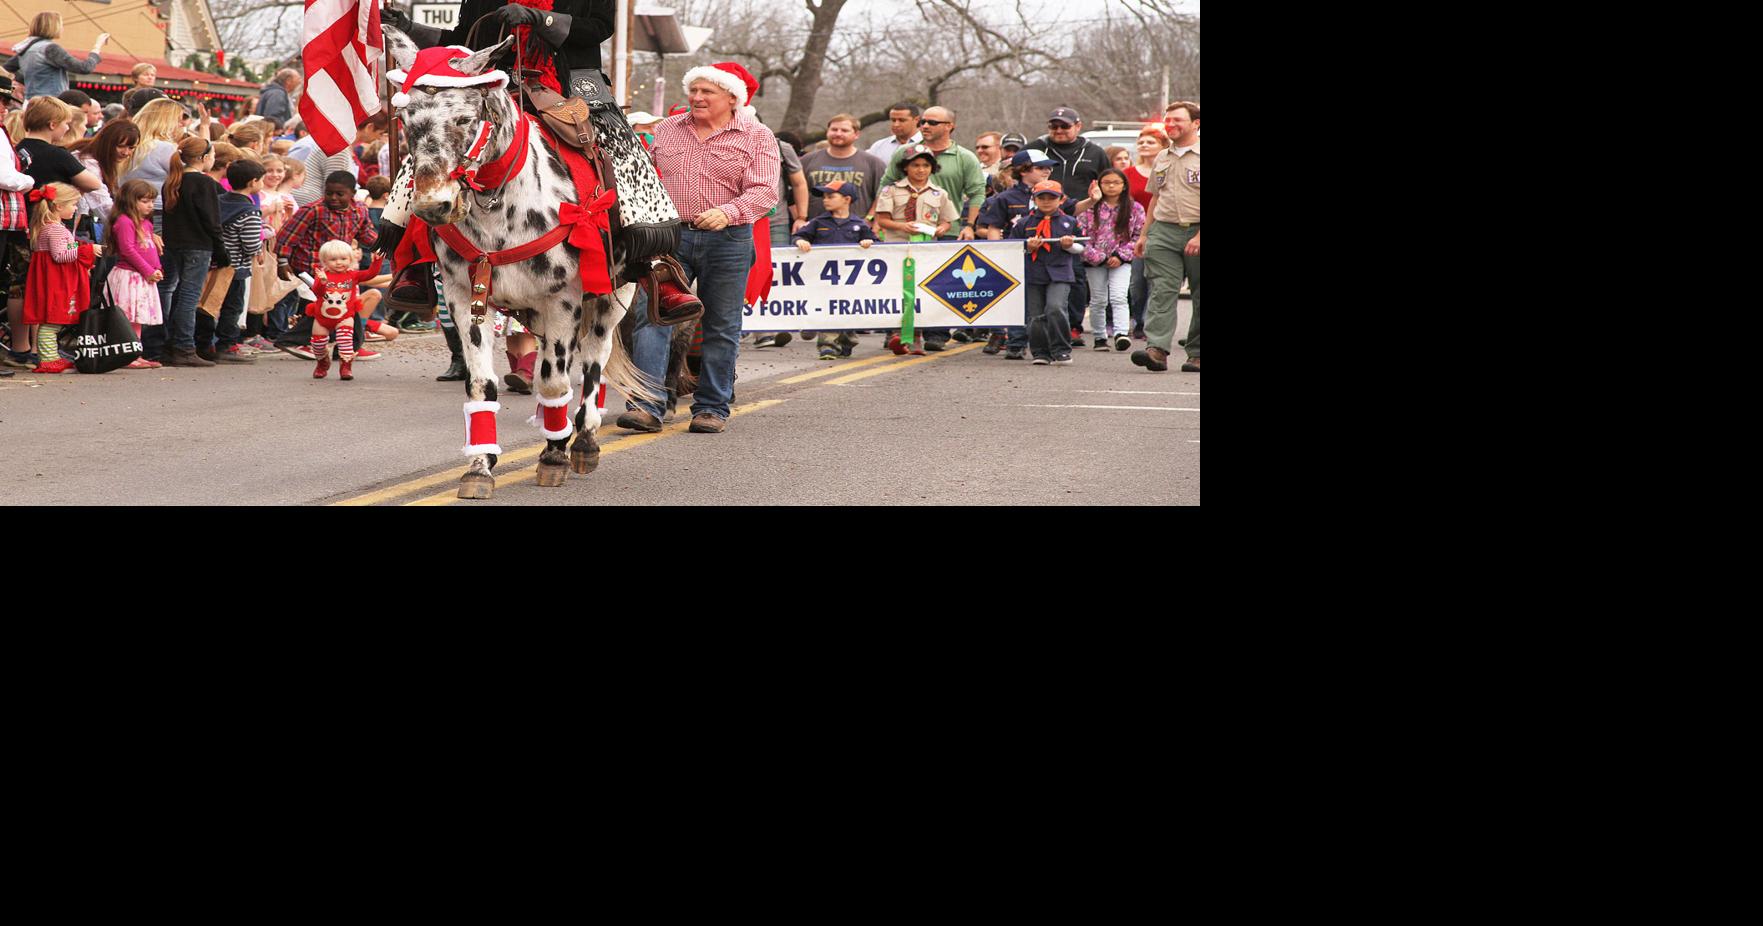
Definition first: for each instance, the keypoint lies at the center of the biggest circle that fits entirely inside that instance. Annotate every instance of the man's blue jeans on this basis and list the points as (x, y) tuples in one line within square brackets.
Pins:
[(185, 272), (717, 263)]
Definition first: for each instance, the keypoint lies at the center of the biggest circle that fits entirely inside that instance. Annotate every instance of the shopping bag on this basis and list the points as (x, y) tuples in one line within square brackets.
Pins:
[(214, 291), (267, 289), (103, 340)]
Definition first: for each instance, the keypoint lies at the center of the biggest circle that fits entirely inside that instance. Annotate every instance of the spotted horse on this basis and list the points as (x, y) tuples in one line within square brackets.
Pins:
[(512, 232)]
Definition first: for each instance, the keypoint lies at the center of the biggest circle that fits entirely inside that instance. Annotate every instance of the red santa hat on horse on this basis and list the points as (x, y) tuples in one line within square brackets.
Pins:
[(731, 77), (433, 67)]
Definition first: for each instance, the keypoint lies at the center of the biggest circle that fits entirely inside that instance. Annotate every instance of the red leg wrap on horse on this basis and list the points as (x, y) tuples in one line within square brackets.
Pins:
[(600, 401), (480, 428)]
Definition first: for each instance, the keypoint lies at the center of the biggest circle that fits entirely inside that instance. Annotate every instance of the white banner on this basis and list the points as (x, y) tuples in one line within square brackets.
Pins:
[(957, 284)]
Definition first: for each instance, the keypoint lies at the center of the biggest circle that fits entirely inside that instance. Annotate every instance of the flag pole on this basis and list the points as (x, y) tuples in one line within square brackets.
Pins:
[(393, 162)]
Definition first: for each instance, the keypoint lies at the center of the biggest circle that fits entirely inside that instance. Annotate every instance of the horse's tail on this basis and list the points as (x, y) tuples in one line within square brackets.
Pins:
[(627, 377)]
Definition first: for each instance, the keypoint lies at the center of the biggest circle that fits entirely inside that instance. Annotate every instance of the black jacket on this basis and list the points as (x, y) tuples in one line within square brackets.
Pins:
[(1079, 163), (194, 225), (577, 29)]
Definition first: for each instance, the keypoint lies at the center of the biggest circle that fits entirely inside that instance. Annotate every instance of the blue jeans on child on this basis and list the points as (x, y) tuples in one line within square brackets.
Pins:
[(717, 262), (185, 272), (222, 333)]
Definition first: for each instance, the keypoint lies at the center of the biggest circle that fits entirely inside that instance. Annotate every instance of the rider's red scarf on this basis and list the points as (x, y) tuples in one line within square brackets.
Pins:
[(537, 56)]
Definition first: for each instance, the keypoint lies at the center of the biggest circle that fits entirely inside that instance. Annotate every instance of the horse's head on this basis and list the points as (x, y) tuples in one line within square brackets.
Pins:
[(441, 122)]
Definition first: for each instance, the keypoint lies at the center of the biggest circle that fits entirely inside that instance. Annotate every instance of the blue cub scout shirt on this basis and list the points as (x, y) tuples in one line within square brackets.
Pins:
[(824, 229), (1053, 265)]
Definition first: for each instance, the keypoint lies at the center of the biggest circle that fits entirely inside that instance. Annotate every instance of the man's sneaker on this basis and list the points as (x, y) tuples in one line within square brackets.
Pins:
[(934, 346), (417, 327), (260, 344), (960, 335), (234, 354), (994, 344), (1077, 340), (845, 349), (1062, 360), (1122, 342), (367, 355), (1042, 361), (1138, 334), (23, 360), (1191, 366), (1101, 344), (765, 340), (1013, 354), (1077, 334), (829, 352), (299, 350)]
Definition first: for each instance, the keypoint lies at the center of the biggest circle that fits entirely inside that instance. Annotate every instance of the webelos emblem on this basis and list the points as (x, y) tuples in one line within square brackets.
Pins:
[(969, 284)]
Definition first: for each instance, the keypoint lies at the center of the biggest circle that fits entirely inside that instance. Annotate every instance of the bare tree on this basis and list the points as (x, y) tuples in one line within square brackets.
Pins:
[(259, 29)]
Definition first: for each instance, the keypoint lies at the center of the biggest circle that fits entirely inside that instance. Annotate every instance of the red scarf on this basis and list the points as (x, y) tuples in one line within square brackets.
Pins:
[(1043, 231), (537, 56)]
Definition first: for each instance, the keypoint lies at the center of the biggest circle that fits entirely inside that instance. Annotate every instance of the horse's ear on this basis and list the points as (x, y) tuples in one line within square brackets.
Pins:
[(480, 61), (399, 49)]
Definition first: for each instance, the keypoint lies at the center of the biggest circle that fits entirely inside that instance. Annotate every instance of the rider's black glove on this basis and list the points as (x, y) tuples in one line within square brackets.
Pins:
[(516, 15), (395, 19)]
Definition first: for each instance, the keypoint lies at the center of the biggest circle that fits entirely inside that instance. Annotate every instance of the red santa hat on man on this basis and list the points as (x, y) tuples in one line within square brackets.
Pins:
[(433, 67), (731, 77)]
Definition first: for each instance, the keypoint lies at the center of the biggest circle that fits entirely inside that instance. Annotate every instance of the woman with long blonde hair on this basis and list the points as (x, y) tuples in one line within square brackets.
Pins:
[(161, 124)]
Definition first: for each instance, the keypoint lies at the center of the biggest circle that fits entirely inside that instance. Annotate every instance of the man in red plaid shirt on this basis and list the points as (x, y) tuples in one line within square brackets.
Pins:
[(336, 217), (720, 168)]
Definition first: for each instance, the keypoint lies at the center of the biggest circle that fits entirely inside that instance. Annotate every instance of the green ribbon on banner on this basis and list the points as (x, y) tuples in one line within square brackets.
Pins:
[(908, 298)]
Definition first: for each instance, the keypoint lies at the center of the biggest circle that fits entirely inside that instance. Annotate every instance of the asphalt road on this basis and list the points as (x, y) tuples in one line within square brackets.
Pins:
[(957, 427)]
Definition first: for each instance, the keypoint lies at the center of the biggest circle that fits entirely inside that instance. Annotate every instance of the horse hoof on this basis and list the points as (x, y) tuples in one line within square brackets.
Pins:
[(552, 475), (584, 460), (475, 485)]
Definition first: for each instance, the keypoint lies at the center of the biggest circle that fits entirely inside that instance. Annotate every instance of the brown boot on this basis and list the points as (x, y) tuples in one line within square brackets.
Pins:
[(324, 363), (185, 357), (346, 369), (638, 420), (1151, 359)]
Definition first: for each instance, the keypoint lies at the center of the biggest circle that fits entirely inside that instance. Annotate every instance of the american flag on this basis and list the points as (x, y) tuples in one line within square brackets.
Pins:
[(344, 58)]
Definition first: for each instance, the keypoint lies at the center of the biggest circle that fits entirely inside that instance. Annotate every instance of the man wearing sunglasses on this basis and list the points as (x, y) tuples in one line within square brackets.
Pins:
[(959, 174), (1079, 163)]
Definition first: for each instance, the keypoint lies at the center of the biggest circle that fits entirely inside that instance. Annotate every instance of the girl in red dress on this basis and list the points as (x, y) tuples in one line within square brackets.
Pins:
[(59, 285), (338, 302)]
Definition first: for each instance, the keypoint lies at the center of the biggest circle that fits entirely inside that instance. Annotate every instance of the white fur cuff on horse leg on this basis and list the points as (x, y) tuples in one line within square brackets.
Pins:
[(480, 428)]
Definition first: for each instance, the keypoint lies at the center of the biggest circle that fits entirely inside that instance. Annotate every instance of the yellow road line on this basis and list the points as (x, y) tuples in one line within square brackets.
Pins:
[(927, 358), (837, 368), (450, 496)]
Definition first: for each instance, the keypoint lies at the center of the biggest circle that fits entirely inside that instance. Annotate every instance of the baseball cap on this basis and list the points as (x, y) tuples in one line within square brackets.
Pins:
[(834, 186), (1032, 156), (1013, 140), (921, 151), (1050, 186), (1064, 114)]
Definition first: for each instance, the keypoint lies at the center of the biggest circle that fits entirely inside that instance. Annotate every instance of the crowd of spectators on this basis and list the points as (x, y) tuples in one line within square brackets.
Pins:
[(1114, 232), (169, 210)]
